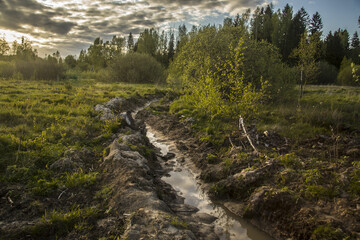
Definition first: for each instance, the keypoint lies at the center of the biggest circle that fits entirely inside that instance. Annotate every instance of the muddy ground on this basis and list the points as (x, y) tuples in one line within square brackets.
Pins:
[(130, 201), (275, 190)]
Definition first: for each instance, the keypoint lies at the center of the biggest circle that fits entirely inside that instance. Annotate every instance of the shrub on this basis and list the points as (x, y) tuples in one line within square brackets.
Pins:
[(6, 69), (137, 68), (80, 179), (62, 223), (327, 232), (327, 73), (345, 77), (290, 160)]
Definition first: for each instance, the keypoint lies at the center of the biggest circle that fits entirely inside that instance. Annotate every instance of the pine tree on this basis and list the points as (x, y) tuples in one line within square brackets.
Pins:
[(182, 37), (4, 46), (285, 45), (171, 50), (297, 29), (130, 43), (355, 42), (268, 26), (316, 24)]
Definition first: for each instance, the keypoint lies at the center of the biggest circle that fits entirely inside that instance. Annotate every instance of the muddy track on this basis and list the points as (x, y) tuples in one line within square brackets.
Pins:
[(136, 201), (129, 201), (254, 194)]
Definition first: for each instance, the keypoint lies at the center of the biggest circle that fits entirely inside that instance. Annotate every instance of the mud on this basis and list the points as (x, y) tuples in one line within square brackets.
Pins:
[(265, 192), (132, 198)]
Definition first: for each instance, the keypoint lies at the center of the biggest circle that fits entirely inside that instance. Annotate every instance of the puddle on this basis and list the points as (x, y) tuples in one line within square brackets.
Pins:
[(182, 179)]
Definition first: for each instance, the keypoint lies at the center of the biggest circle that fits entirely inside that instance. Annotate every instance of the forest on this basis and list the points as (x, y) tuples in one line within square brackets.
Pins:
[(265, 106), (288, 33)]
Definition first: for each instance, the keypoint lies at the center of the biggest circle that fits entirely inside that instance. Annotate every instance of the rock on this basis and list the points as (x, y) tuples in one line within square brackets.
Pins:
[(107, 113), (252, 176), (183, 208), (182, 146), (119, 146), (63, 165), (235, 207), (168, 156), (267, 201), (134, 139), (128, 119), (115, 103), (132, 235), (204, 217), (215, 173), (353, 152)]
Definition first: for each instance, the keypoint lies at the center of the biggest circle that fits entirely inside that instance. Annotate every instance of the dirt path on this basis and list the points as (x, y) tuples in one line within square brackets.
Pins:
[(250, 188)]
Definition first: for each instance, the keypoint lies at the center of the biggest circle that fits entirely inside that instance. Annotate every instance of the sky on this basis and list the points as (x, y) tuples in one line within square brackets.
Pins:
[(71, 25)]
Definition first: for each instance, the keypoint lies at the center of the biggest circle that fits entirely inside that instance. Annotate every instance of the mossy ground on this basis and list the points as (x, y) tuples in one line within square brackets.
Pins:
[(40, 123), (313, 145)]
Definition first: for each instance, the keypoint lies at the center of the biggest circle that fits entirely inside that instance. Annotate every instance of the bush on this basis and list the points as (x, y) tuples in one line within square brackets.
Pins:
[(327, 73), (345, 77), (211, 47), (137, 68), (6, 69)]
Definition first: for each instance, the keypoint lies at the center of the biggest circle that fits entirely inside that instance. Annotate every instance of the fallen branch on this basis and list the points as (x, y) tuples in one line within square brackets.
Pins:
[(62, 193), (242, 126)]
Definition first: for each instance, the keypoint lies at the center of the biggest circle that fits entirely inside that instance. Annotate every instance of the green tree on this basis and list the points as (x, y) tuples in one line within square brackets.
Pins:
[(355, 48), (171, 50), (130, 43), (4, 47), (348, 73), (268, 26), (285, 45), (96, 55), (83, 62), (306, 53), (242, 21), (162, 54), (182, 37), (70, 61), (298, 27), (24, 50), (148, 42), (355, 42), (257, 22), (228, 22), (115, 48), (336, 47), (137, 68), (316, 24)]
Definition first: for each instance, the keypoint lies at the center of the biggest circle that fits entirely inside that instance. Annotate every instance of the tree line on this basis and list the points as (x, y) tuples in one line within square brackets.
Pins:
[(291, 33)]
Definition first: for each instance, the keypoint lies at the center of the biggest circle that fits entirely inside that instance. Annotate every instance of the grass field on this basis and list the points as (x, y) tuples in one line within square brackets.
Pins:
[(322, 110), (41, 120)]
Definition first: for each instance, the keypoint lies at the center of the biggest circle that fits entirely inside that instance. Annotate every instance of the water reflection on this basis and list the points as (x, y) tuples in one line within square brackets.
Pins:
[(227, 226)]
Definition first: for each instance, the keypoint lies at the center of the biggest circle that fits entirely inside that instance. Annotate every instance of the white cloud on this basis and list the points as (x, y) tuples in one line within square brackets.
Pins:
[(78, 22)]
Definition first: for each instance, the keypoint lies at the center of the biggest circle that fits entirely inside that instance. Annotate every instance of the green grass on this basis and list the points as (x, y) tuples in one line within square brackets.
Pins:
[(64, 222), (40, 120), (322, 110)]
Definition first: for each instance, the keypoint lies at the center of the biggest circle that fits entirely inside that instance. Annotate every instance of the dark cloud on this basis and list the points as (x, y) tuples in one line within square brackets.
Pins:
[(71, 25), (15, 14)]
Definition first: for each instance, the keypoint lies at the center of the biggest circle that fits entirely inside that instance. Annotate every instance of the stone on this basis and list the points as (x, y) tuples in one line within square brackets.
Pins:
[(115, 103), (63, 165), (204, 217), (168, 156)]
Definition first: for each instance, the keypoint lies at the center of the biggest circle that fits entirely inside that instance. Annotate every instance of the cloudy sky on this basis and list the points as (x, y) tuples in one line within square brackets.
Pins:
[(71, 25)]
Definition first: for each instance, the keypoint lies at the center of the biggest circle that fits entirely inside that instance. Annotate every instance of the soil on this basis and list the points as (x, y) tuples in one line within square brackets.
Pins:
[(134, 203), (262, 189)]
